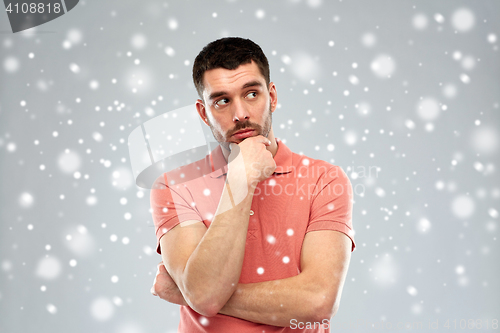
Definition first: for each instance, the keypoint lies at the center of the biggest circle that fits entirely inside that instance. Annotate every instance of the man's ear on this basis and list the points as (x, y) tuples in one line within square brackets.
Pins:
[(200, 107), (273, 96)]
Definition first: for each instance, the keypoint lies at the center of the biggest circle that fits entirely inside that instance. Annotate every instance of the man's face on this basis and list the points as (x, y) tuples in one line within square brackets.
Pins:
[(237, 104)]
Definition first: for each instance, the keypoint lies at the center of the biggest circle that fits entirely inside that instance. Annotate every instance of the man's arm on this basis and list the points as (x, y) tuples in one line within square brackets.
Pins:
[(311, 296), (206, 263)]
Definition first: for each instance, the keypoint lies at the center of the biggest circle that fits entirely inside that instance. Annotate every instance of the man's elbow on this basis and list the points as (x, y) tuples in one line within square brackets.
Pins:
[(207, 308), (326, 309), (202, 298)]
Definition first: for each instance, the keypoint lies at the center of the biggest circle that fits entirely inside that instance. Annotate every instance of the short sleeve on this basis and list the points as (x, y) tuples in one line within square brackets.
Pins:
[(331, 205), (171, 205)]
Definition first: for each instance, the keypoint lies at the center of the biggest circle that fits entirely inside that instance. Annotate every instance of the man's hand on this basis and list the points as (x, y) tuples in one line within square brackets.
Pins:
[(258, 161), (165, 288)]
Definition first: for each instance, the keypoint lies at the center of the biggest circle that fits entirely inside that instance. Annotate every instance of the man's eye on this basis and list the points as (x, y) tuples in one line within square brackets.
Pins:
[(251, 95), (221, 102)]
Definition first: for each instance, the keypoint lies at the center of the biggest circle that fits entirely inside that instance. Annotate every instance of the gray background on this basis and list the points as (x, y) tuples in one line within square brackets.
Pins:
[(77, 240)]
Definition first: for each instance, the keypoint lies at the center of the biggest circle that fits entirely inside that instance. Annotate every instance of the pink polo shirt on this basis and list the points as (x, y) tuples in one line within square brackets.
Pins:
[(302, 195)]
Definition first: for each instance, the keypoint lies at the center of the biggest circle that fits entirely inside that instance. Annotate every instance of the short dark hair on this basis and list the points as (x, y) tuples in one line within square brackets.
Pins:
[(228, 53)]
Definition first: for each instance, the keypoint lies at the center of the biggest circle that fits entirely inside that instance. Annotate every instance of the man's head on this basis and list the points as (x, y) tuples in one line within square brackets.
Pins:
[(228, 53), (236, 97)]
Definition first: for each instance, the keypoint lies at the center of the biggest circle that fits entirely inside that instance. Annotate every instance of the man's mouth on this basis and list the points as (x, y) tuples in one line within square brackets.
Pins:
[(243, 134)]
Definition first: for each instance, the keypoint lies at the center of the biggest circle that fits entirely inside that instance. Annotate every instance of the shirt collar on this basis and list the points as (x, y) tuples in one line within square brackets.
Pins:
[(283, 160)]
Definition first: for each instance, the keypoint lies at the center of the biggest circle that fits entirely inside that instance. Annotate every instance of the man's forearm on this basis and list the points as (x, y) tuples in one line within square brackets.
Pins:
[(278, 302), (212, 271)]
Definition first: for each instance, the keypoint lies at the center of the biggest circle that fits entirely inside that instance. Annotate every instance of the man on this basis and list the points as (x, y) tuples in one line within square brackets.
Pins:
[(260, 243)]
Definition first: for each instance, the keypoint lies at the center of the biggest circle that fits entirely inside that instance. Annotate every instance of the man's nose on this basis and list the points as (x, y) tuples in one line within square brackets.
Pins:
[(240, 111)]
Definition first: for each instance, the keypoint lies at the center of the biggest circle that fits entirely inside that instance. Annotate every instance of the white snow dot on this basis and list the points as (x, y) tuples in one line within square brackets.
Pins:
[(138, 41), (463, 19), (271, 239), (468, 63), (74, 36), (206, 192), (412, 290), (48, 268), (260, 270), (91, 200), (72, 262), (463, 206), (6, 265), (11, 147), (380, 192), (350, 138), (97, 136), (74, 68), (118, 302), (289, 232), (286, 260), (330, 147), (51, 308), (368, 39), (102, 309), (410, 124), (383, 66), (94, 84), (423, 225), (492, 38), (315, 3), (127, 216), (493, 213), (485, 139), (26, 200), (69, 162), (125, 240), (428, 109), (460, 269), (203, 321), (114, 279), (169, 51), (260, 14), (173, 24), (439, 18), (449, 91), (353, 80), (420, 21), (385, 270), (11, 64)]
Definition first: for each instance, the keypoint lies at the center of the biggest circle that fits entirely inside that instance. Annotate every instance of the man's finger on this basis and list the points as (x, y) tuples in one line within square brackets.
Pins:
[(162, 269), (263, 139)]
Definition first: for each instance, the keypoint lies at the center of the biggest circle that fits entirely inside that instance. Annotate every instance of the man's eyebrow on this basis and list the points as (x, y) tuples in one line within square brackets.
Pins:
[(252, 84), (246, 85), (215, 95)]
